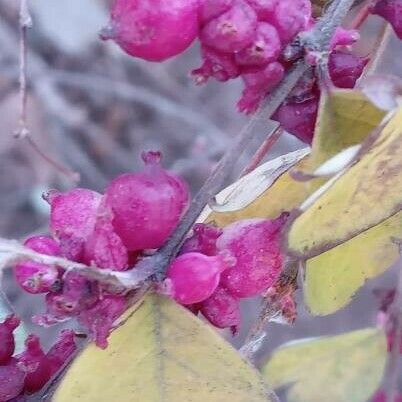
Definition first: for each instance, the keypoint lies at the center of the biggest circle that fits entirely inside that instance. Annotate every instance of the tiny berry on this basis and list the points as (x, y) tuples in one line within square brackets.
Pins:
[(231, 31), (35, 277), (35, 364), (390, 10), (72, 219), (344, 37), (264, 49), (194, 277), (255, 243), (148, 205), (11, 380), (7, 344), (153, 30), (222, 309)]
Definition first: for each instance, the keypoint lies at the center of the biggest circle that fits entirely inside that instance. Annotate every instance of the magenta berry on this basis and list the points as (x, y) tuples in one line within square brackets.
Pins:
[(299, 118), (255, 243), (222, 309), (100, 318), (148, 205), (233, 30), (291, 17), (35, 277), (344, 37), (193, 277), (7, 344), (104, 248), (345, 68), (61, 351), (203, 240), (35, 364), (264, 49), (153, 30), (11, 380), (265, 9), (72, 219), (390, 10)]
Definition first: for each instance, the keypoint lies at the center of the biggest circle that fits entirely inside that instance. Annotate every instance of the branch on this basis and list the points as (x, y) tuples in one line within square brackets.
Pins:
[(12, 252)]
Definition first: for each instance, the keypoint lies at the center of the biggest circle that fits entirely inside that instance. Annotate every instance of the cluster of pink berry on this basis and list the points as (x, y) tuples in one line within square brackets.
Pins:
[(28, 372), (218, 267), (239, 38), (137, 212)]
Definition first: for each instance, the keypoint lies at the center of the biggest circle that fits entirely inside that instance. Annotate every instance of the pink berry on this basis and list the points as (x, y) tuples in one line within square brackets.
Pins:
[(203, 240), (345, 68), (255, 243), (219, 65), (72, 219), (7, 344), (222, 309), (61, 351), (344, 37), (233, 30), (153, 30), (210, 9), (390, 10), (148, 205), (100, 318), (11, 380), (104, 248), (194, 277), (35, 364), (264, 8), (291, 17), (265, 48), (258, 84), (35, 277), (299, 119)]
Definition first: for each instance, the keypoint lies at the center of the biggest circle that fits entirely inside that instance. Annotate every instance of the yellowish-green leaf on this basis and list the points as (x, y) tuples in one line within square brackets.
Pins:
[(344, 368), (365, 195), (332, 278), (345, 118), (162, 353)]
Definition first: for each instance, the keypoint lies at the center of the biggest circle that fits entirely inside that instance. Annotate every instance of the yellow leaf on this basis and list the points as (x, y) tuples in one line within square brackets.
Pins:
[(365, 195), (332, 278), (345, 118), (344, 368), (162, 353)]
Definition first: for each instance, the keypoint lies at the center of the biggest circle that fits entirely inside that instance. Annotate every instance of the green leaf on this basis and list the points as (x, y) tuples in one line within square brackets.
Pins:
[(162, 353), (344, 368)]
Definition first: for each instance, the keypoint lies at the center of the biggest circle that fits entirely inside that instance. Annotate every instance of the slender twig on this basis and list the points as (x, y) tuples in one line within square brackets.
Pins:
[(361, 16), (379, 48), (11, 252), (25, 22), (264, 148), (395, 313)]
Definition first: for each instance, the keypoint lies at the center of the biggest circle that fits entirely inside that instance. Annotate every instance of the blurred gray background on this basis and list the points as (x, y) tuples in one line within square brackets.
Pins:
[(94, 109)]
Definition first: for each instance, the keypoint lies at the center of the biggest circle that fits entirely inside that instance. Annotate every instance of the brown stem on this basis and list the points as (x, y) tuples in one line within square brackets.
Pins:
[(25, 22), (264, 148)]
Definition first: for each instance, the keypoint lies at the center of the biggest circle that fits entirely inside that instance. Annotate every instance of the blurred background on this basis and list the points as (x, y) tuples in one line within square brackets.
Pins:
[(93, 109)]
